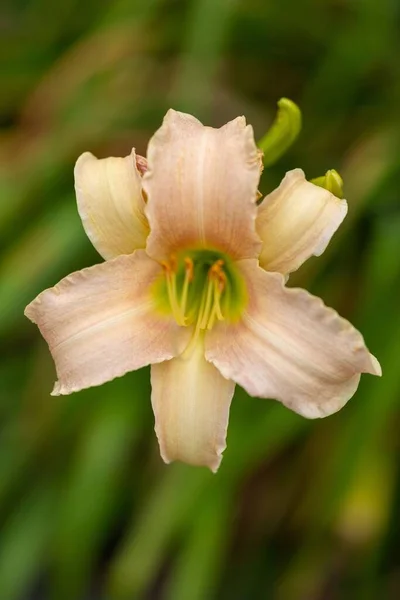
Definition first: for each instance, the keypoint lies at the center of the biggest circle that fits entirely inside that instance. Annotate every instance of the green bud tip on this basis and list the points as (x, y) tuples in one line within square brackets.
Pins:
[(331, 181), (282, 133)]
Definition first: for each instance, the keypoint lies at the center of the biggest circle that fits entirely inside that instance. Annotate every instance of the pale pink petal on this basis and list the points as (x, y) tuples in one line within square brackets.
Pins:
[(291, 347), (111, 204), (101, 322), (296, 221), (191, 403), (201, 186)]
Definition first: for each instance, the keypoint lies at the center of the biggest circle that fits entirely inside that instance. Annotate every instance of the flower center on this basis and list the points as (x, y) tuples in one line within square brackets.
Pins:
[(201, 287)]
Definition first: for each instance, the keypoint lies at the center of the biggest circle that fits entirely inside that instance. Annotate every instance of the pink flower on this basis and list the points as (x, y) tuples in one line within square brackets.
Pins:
[(193, 283)]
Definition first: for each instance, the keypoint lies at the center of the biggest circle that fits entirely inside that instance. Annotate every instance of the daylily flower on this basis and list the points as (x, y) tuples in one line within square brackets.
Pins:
[(193, 283)]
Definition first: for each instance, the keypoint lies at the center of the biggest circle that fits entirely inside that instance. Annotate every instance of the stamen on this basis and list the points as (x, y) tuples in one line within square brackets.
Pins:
[(205, 315), (189, 266), (211, 308), (189, 274), (197, 329), (219, 289), (170, 276), (174, 292), (216, 313)]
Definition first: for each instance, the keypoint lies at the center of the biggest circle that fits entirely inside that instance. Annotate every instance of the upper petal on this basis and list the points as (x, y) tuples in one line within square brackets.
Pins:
[(191, 403), (291, 347), (296, 221), (201, 185), (110, 203), (100, 323)]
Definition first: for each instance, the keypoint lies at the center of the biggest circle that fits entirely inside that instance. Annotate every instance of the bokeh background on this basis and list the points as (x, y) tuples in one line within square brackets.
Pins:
[(299, 509)]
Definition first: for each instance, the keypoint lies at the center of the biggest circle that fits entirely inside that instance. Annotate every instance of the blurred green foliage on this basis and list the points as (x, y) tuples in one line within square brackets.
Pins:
[(299, 510)]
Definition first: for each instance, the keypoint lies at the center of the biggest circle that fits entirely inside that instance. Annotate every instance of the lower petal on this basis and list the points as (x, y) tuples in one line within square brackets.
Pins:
[(101, 323), (191, 402), (291, 347)]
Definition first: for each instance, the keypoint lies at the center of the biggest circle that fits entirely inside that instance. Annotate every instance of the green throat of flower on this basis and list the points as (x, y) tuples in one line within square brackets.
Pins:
[(200, 288)]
